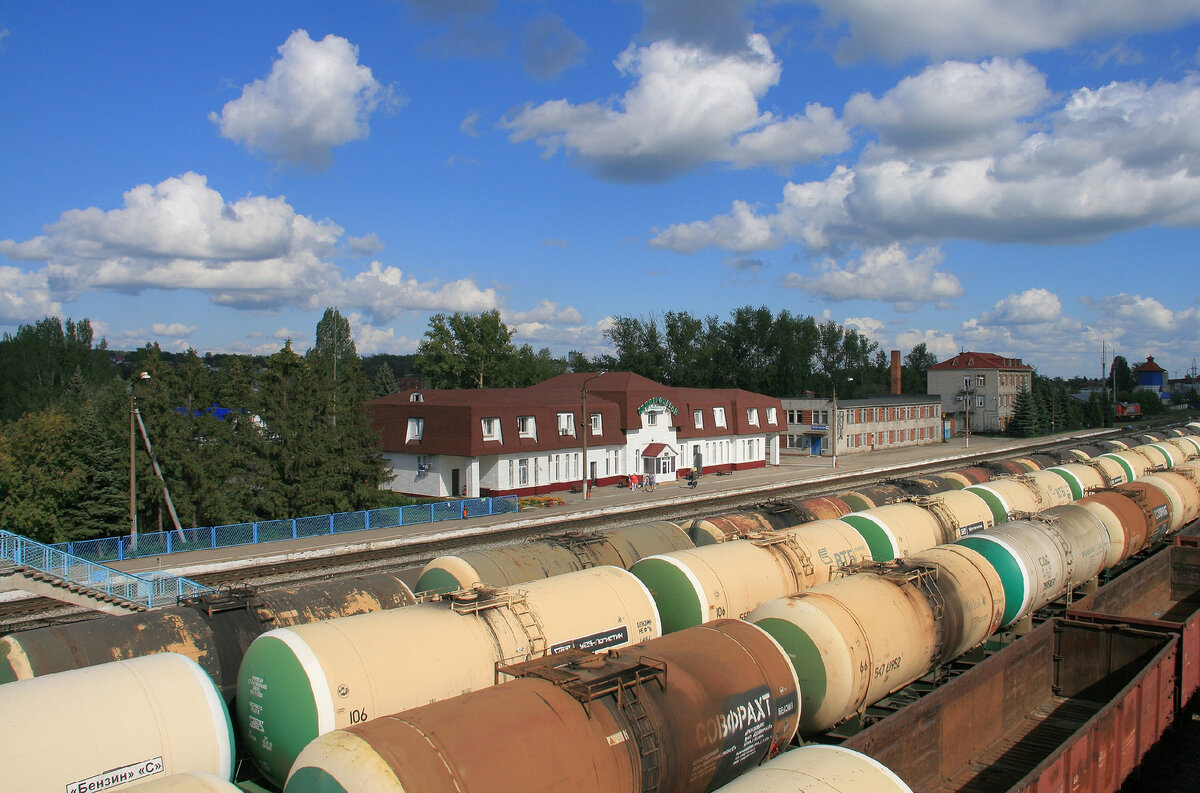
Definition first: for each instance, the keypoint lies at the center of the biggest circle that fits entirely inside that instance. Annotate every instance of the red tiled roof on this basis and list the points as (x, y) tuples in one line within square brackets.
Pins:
[(654, 449), (1148, 366), (981, 360), (453, 418)]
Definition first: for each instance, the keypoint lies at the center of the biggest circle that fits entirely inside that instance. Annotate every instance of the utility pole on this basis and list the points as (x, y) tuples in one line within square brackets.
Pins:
[(586, 427), (133, 422), (835, 424)]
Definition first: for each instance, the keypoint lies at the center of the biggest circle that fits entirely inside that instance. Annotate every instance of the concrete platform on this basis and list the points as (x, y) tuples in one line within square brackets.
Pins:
[(611, 500)]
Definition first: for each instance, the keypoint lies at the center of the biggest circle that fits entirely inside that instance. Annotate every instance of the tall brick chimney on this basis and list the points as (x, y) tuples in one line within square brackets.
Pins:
[(896, 372)]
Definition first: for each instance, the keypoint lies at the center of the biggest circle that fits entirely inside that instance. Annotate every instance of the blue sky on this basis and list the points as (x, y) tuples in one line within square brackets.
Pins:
[(1010, 176)]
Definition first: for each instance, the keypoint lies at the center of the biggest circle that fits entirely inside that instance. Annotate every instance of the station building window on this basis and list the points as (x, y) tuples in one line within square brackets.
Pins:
[(566, 423)]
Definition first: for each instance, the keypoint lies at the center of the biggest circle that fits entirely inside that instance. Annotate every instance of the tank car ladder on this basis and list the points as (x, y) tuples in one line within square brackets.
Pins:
[(591, 676), (483, 598), (789, 547), (579, 543), (534, 631), (649, 747)]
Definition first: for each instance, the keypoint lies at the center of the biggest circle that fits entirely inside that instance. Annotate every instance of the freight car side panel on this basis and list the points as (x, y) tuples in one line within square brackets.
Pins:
[(1105, 750), (1161, 593), (1071, 706)]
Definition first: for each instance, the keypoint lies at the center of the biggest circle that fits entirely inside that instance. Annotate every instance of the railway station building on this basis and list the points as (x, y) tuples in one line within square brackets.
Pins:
[(536, 440), (978, 390)]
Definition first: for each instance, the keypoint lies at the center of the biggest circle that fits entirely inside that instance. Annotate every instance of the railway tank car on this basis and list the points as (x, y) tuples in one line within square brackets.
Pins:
[(871, 496), (300, 682), (550, 556), (1012, 495), (186, 783), (1040, 563), (685, 713), (815, 768), (553, 555), (858, 638), (731, 579), (123, 722), (214, 631), (772, 515), (623, 547), (1081, 477)]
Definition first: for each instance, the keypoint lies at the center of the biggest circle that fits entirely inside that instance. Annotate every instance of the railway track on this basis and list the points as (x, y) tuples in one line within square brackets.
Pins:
[(38, 612)]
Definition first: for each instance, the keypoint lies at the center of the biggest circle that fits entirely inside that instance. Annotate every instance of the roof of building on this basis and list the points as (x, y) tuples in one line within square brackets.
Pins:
[(873, 399), (980, 360), (452, 418), (1148, 366)]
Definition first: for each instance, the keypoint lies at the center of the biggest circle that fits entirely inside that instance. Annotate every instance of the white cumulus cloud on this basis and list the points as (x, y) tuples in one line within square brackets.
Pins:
[(372, 340), (384, 293), (316, 97), (254, 253), (741, 230), (24, 297), (937, 342), (688, 106), (1031, 307), (181, 234), (897, 29), (174, 329), (1114, 159), (1135, 310), (546, 311), (886, 274), (954, 109)]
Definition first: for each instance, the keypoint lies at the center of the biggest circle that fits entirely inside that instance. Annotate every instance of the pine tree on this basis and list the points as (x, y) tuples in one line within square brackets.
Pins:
[(249, 478), (1026, 415), (385, 382), (100, 508), (40, 359), (59, 477), (292, 408), (355, 458)]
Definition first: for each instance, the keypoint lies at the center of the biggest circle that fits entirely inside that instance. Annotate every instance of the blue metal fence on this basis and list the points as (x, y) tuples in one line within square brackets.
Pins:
[(113, 549), (150, 591)]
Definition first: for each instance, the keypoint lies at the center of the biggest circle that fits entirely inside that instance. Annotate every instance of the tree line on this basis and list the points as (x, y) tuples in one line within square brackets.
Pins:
[(237, 438), (1050, 407), (778, 354)]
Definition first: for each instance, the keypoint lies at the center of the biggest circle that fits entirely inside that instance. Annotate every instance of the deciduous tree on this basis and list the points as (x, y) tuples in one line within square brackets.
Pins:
[(465, 351)]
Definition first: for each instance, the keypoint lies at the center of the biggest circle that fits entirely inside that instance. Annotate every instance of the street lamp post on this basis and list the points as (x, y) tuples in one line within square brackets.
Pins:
[(834, 424), (133, 416), (586, 427), (968, 395)]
